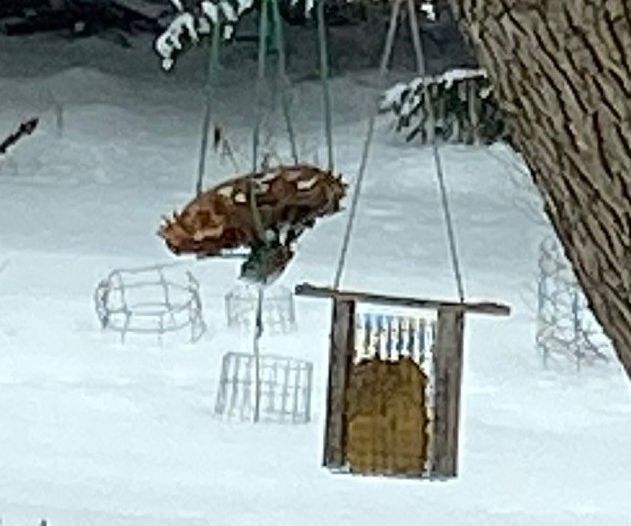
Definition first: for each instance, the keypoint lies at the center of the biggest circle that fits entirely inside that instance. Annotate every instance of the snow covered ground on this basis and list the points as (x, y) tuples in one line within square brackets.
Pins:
[(93, 432)]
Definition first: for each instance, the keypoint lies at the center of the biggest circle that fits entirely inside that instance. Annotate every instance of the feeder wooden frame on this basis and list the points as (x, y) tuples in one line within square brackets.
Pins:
[(448, 354)]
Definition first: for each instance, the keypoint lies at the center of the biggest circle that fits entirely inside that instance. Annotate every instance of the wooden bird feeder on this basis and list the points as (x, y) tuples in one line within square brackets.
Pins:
[(393, 446)]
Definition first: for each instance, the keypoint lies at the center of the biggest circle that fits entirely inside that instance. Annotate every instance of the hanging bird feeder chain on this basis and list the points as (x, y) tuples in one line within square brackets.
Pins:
[(421, 67)]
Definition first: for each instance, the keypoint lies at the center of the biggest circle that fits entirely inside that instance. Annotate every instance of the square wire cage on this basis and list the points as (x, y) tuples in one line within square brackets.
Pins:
[(285, 388), (279, 312), (156, 300)]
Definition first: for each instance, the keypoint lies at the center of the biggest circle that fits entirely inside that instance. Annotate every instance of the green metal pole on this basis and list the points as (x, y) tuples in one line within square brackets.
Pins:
[(213, 63), (324, 78), (282, 73), (262, 53)]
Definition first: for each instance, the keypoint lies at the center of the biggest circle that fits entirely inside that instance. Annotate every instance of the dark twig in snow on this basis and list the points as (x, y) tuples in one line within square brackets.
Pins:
[(26, 128)]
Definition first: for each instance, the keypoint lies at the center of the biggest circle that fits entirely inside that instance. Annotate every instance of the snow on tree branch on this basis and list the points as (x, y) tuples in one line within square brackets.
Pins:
[(462, 107), (406, 97), (429, 10), (195, 18), (171, 41)]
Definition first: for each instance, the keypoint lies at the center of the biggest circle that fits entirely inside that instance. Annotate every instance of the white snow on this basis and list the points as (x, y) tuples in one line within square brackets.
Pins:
[(210, 10), (192, 24), (429, 9), (94, 432), (171, 39)]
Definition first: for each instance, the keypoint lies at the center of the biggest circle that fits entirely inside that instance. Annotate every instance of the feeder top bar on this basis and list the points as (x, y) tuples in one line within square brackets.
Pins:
[(496, 309)]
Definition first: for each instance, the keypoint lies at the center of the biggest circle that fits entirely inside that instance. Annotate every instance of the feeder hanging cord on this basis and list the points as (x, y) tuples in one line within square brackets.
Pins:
[(324, 79), (213, 65), (256, 338), (264, 21), (448, 222), (420, 60), (366, 147), (282, 73), (440, 175), (262, 53)]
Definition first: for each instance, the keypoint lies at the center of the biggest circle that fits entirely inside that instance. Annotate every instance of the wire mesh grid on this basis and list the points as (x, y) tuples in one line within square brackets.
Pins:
[(285, 388), (567, 331), (279, 314), (390, 336), (156, 299)]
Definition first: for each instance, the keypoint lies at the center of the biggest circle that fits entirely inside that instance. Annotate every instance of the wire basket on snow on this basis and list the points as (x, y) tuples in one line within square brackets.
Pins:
[(284, 388), (279, 314), (156, 300), (566, 328)]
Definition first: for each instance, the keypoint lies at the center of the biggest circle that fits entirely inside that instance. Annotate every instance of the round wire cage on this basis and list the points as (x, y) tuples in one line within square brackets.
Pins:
[(279, 314), (566, 329), (157, 300)]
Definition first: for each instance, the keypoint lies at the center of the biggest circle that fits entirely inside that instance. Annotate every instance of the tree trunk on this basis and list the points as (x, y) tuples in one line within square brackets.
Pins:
[(562, 74)]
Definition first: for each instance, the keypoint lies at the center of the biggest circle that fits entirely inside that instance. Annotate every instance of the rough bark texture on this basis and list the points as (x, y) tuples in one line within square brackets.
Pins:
[(562, 73)]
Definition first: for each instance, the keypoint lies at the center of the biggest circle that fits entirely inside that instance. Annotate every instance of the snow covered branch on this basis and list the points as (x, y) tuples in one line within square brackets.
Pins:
[(460, 107), (192, 21), (197, 18)]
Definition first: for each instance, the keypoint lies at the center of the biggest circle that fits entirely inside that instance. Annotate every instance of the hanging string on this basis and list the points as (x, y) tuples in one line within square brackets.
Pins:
[(213, 63), (353, 209), (430, 129), (324, 79), (256, 215), (366, 147), (420, 59), (448, 222), (282, 73), (256, 339), (421, 69), (260, 79), (392, 31)]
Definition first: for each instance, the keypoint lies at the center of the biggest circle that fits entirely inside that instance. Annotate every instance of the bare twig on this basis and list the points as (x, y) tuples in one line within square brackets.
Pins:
[(26, 128)]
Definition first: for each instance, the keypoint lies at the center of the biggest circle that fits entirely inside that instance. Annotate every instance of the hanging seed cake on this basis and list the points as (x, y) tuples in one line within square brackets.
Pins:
[(387, 418)]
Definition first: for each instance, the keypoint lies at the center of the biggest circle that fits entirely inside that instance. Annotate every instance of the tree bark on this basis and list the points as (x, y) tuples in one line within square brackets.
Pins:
[(561, 70)]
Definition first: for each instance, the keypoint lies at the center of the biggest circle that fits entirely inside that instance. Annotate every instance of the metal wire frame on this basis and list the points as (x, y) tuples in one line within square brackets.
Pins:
[(390, 336), (146, 300), (281, 395), (566, 329), (278, 309)]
